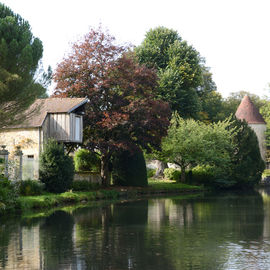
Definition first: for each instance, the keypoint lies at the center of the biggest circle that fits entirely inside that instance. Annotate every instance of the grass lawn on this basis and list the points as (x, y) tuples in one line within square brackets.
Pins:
[(52, 200), (171, 185), (49, 200)]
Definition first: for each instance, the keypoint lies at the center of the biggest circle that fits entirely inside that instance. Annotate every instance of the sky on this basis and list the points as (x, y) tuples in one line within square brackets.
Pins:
[(232, 35)]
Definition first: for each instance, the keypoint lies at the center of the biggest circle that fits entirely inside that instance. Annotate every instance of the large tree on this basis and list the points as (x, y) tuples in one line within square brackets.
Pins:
[(183, 78), (191, 142), (122, 111), (20, 55)]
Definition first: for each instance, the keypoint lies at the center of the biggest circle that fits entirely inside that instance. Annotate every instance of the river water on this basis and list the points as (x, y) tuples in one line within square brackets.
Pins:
[(224, 231)]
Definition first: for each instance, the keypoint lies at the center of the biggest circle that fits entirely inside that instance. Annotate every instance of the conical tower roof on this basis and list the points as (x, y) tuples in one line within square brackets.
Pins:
[(247, 111)]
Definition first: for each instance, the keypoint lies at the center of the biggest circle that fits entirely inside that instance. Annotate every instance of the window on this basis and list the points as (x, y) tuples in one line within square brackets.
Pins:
[(77, 128)]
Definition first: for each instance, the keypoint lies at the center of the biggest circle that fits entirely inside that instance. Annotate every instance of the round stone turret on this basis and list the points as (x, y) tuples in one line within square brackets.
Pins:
[(247, 111)]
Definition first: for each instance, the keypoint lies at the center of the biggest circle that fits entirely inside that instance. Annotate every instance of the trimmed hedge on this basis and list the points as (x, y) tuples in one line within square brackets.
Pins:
[(129, 169)]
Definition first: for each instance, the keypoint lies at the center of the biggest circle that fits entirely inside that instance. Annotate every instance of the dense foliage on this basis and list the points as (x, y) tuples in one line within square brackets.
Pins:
[(56, 169), (183, 79), (129, 169), (30, 187), (227, 151), (83, 185), (191, 142), (20, 55), (247, 164), (85, 160), (122, 111), (172, 174), (8, 194)]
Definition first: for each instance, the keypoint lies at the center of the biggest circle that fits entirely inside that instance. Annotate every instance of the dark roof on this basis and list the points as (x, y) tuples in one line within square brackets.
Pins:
[(37, 112), (247, 111)]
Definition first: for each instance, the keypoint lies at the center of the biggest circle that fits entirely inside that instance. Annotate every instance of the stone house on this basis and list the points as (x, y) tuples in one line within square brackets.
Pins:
[(58, 118), (247, 111)]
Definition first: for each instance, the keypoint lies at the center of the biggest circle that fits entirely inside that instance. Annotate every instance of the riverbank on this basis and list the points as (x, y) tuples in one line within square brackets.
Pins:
[(48, 200)]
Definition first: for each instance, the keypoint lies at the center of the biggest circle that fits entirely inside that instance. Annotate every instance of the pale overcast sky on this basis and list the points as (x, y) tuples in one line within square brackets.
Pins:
[(232, 35)]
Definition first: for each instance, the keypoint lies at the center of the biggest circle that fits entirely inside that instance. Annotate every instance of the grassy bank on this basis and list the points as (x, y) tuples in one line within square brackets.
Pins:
[(53, 200)]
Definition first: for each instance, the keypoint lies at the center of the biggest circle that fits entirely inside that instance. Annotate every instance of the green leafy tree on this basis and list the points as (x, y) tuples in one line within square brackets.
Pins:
[(211, 107), (21, 76), (211, 100), (183, 78), (191, 142), (56, 169)]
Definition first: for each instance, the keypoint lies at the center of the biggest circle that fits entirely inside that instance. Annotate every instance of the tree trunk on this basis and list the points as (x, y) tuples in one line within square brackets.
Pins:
[(160, 168), (104, 171)]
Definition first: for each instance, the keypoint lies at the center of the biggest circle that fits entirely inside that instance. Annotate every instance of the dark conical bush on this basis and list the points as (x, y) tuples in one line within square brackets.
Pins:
[(247, 164), (56, 168), (129, 169)]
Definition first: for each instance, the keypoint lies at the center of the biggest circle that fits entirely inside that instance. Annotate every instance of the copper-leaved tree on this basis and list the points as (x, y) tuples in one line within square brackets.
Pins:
[(122, 112)]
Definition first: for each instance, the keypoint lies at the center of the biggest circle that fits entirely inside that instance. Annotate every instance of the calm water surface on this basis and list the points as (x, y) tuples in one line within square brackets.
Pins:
[(229, 231)]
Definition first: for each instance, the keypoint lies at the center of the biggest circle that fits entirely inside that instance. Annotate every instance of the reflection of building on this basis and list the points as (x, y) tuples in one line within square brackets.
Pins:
[(248, 112), (166, 210), (265, 193), (24, 250)]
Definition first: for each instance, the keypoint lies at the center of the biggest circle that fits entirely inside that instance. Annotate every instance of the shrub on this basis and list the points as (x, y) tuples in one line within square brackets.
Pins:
[(266, 173), (82, 185), (129, 169), (56, 168), (201, 175), (172, 174), (8, 194), (30, 187), (150, 172), (85, 160)]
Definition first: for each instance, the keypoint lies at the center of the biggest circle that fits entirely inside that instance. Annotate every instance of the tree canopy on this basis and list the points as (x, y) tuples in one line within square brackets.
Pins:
[(183, 78), (230, 147), (20, 55), (191, 142), (122, 110)]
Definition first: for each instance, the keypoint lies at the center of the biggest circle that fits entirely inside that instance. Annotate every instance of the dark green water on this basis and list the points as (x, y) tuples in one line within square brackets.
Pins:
[(229, 231)]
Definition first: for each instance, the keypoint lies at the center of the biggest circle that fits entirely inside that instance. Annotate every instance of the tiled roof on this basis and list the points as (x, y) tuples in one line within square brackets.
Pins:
[(37, 112), (247, 111)]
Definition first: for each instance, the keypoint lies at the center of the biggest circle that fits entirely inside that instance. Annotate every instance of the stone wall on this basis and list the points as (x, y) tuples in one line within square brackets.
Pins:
[(27, 139), (91, 177), (29, 142)]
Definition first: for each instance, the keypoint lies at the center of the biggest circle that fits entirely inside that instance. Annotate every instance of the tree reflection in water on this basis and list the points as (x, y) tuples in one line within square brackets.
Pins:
[(166, 233)]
